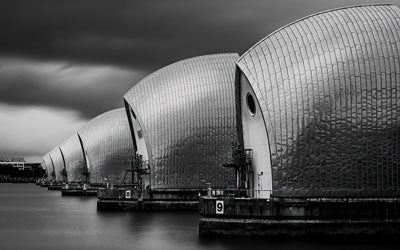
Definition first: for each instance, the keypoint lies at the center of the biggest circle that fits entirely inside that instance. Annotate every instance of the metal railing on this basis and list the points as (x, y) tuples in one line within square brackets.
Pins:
[(353, 199), (121, 185), (239, 193)]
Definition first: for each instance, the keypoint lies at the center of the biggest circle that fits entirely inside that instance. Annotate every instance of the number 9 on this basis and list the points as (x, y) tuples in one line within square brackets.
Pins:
[(219, 207)]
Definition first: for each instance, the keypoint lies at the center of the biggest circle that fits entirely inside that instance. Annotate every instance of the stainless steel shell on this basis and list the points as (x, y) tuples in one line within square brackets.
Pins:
[(58, 162), (329, 89), (187, 114), (74, 159), (43, 166), (49, 166), (108, 145)]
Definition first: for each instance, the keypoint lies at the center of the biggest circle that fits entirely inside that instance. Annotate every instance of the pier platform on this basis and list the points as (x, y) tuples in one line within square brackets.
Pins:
[(161, 199), (299, 217), (75, 189), (44, 183), (54, 186)]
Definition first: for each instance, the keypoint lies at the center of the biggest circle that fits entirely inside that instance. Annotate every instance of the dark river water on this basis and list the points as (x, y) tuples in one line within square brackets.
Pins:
[(35, 218)]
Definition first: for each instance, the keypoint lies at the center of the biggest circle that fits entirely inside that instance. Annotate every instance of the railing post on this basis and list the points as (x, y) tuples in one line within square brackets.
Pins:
[(209, 191)]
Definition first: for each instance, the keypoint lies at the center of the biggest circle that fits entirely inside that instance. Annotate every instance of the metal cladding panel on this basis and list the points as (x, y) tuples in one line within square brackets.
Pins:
[(74, 159), (49, 166), (329, 88), (187, 114), (58, 162), (47, 174), (108, 144)]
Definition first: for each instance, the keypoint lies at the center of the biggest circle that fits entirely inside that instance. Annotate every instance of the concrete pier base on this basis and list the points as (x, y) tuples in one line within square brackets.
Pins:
[(78, 192), (296, 228), (132, 199), (298, 217), (43, 183), (123, 205), (78, 189), (54, 186)]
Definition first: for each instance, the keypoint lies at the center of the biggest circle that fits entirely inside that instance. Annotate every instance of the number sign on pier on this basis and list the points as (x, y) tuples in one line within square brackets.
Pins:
[(219, 207)]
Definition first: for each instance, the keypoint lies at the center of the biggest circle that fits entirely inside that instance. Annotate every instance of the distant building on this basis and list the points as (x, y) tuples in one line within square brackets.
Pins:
[(14, 162), (17, 170)]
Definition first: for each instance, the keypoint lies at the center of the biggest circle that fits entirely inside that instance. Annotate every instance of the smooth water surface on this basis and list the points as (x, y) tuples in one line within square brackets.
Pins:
[(32, 217)]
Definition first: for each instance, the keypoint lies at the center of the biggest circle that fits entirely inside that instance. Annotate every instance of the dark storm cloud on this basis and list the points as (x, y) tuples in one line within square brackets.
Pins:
[(142, 34), (90, 90), (139, 36)]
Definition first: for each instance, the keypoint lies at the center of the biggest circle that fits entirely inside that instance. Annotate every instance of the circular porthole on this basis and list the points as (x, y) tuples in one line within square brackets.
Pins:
[(251, 104)]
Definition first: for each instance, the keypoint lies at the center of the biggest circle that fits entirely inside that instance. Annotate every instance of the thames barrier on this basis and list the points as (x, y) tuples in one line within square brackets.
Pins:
[(298, 136)]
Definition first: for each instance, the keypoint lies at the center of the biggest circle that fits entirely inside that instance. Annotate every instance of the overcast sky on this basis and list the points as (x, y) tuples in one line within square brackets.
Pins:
[(62, 62)]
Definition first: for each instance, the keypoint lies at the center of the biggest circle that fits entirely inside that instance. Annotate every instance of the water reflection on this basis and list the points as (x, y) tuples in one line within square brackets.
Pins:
[(34, 218)]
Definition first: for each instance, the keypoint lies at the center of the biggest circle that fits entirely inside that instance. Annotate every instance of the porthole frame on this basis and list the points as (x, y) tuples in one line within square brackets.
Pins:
[(251, 104)]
